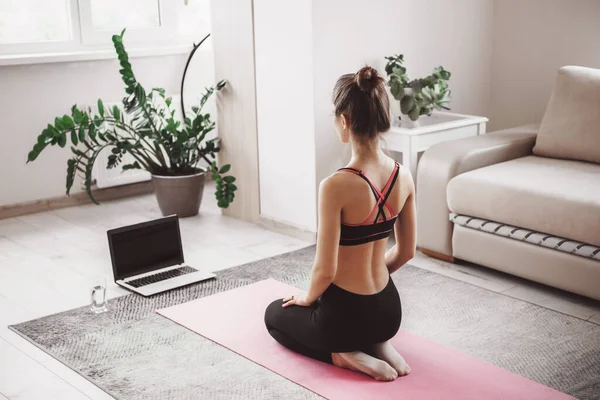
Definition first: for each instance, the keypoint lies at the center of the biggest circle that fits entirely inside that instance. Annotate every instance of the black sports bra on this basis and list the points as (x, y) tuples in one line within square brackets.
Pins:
[(366, 232)]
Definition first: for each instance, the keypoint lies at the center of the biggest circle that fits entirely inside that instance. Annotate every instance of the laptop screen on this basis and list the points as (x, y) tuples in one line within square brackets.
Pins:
[(141, 248)]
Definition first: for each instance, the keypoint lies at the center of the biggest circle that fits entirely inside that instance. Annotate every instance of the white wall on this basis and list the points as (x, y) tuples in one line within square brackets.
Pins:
[(503, 55), (349, 34), (532, 39), (32, 95), (302, 47), (284, 101)]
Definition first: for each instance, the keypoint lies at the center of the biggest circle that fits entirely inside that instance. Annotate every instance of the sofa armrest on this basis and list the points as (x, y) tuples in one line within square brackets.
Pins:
[(442, 162)]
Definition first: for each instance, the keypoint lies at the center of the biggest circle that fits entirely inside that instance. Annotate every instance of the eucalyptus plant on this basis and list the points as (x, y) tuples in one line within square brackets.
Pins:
[(144, 128), (426, 94)]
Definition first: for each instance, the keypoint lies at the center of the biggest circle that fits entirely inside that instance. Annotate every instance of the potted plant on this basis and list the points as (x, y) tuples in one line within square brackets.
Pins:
[(146, 129), (419, 96)]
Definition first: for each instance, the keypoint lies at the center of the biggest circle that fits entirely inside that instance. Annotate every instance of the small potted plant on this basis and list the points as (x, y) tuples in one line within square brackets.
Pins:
[(419, 96), (145, 129)]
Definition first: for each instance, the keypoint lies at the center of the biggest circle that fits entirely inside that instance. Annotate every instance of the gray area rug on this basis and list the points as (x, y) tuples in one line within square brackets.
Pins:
[(133, 353)]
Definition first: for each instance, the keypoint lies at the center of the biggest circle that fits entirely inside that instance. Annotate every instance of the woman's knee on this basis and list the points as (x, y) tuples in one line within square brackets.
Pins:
[(272, 313)]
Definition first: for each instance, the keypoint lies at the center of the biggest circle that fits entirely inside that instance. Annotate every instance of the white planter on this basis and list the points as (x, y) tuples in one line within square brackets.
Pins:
[(408, 123)]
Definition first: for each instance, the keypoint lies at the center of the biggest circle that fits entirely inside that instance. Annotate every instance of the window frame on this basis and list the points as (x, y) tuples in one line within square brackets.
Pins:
[(87, 44)]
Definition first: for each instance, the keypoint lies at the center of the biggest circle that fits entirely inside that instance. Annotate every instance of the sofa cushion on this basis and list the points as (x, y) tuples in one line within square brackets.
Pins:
[(558, 197), (570, 128)]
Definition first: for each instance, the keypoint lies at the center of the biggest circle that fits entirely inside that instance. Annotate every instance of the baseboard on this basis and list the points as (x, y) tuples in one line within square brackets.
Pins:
[(53, 203), (287, 229), (435, 254)]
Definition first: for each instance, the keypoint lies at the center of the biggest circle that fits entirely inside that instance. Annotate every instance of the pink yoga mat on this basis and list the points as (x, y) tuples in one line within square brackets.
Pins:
[(234, 319)]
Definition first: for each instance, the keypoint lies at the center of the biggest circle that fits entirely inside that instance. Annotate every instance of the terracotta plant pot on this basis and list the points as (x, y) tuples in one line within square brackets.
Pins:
[(179, 195)]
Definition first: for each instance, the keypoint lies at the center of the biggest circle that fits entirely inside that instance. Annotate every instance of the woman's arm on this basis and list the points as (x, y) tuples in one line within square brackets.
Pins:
[(405, 230), (328, 238)]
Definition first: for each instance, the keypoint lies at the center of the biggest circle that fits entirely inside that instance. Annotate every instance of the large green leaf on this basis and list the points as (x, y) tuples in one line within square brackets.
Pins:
[(77, 115), (140, 93), (92, 131), (444, 74), (396, 89), (32, 155), (101, 108), (414, 113), (62, 139), (116, 112), (42, 136), (74, 137), (399, 71), (407, 103), (59, 124), (67, 122)]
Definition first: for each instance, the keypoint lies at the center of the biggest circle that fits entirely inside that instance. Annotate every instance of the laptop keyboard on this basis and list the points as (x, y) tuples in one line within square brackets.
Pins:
[(161, 276)]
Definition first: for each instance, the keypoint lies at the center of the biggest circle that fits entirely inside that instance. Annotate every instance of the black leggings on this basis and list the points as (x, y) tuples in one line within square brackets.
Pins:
[(338, 322)]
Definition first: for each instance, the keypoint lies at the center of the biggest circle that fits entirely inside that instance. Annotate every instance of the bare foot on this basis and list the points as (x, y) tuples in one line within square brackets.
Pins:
[(361, 362), (386, 352)]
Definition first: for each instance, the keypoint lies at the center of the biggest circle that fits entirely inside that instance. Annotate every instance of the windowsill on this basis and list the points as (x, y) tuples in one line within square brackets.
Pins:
[(90, 55)]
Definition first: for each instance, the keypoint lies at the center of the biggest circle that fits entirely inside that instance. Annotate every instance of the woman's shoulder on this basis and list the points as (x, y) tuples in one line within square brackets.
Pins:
[(405, 179), (338, 183), (337, 180), (333, 189)]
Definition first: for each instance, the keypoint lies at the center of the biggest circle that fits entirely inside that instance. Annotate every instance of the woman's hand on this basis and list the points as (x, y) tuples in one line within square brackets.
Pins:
[(298, 300)]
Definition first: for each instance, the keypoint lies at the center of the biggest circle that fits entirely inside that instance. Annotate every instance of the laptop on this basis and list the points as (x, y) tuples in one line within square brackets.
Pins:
[(147, 258)]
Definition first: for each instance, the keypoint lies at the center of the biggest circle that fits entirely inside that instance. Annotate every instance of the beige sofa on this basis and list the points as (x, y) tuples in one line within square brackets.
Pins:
[(524, 200)]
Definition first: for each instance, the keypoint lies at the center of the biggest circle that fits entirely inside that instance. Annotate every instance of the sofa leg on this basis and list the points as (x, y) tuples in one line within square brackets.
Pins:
[(439, 256)]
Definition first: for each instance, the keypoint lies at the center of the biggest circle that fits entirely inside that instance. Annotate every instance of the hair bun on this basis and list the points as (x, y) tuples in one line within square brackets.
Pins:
[(367, 78)]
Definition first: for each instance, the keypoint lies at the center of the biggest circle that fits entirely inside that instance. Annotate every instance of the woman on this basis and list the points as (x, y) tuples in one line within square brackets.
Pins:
[(352, 308)]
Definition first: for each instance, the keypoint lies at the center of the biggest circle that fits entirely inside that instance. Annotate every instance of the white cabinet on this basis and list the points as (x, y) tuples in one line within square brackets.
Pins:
[(436, 128)]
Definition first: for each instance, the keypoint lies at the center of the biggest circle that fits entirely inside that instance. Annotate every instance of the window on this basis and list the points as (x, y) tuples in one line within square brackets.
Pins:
[(38, 28), (40, 21), (137, 14)]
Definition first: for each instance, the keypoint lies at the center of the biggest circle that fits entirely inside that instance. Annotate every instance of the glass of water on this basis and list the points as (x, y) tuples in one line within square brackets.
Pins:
[(99, 295)]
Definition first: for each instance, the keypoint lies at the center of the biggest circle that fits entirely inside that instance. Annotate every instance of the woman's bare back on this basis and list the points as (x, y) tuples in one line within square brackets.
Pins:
[(362, 268)]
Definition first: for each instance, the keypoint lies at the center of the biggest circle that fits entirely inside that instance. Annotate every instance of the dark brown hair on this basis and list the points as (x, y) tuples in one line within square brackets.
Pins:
[(362, 98)]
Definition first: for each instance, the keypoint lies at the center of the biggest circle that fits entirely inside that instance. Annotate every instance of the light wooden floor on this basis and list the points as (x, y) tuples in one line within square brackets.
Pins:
[(48, 263)]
